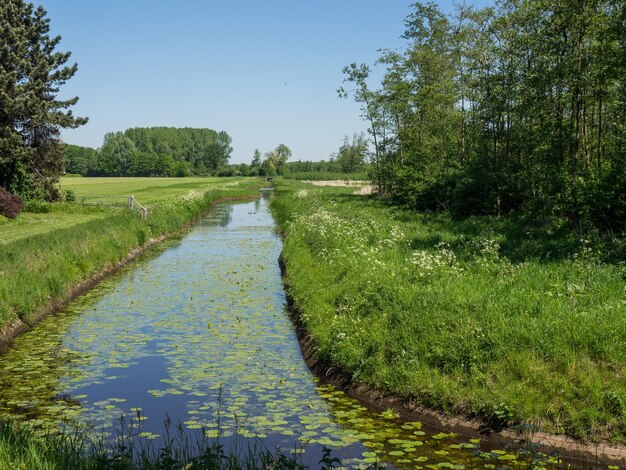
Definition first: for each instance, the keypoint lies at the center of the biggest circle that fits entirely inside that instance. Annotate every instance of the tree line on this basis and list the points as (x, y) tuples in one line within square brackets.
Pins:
[(155, 151), (516, 107)]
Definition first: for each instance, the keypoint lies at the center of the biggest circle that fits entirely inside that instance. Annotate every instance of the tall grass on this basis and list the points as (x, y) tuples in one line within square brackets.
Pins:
[(517, 322), (22, 448)]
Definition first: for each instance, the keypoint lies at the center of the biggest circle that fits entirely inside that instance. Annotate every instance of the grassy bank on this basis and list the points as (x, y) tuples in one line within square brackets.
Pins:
[(50, 248), (513, 321)]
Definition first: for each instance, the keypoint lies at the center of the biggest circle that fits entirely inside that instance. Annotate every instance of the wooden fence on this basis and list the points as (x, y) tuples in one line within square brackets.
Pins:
[(109, 201)]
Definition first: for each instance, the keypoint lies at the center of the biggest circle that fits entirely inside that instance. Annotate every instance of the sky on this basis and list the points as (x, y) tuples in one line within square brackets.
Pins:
[(266, 72)]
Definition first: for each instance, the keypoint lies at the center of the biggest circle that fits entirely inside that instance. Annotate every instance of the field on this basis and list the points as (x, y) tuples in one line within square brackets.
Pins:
[(50, 247), (146, 190), (517, 322), (151, 192)]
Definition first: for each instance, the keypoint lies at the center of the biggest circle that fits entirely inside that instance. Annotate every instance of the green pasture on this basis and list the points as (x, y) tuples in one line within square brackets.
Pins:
[(146, 190), (39, 218), (30, 224)]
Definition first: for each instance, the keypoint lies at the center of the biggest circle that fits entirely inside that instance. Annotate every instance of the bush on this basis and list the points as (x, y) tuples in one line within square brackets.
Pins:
[(69, 196), (10, 205)]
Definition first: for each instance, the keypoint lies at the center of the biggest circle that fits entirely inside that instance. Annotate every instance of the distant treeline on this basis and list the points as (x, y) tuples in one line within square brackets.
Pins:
[(166, 151), (155, 151), (516, 107), (300, 169)]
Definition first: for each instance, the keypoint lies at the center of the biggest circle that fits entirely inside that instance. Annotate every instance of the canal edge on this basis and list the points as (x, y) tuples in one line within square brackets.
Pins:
[(378, 400), (9, 332)]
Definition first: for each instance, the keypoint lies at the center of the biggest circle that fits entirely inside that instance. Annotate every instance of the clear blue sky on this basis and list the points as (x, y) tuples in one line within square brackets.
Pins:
[(264, 71)]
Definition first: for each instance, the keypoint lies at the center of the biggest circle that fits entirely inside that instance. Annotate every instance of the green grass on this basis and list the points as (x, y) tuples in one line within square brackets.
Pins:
[(146, 190), (518, 322), (50, 248), (22, 448), (30, 224)]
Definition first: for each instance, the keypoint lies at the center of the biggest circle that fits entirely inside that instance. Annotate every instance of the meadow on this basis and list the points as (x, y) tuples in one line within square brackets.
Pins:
[(518, 322), (51, 247), (147, 190)]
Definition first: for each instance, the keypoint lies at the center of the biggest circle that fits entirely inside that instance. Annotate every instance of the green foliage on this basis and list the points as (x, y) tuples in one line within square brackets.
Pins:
[(116, 155), (498, 110), (31, 116), (515, 320), (80, 160), (351, 155), (275, 161), (156, 151)]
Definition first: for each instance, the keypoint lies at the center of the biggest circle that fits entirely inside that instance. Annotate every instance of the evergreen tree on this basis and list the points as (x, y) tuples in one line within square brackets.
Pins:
[(31, 116)]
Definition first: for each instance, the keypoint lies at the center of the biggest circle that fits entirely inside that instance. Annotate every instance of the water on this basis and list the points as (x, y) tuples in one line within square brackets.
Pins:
[(197, 333)]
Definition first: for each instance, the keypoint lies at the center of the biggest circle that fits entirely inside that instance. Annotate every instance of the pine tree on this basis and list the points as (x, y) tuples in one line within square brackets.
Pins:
[(31, 116)]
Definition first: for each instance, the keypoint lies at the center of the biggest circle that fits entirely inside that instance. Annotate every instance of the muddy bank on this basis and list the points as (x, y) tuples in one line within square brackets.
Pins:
[(569, 448), (9, 332)]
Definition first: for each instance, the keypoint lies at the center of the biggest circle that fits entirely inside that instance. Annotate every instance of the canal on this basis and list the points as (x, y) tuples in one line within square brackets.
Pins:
[(196, 333)]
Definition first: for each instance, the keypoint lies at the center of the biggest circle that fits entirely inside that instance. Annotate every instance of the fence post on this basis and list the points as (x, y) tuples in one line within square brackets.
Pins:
[(131, 202), (144, 213)]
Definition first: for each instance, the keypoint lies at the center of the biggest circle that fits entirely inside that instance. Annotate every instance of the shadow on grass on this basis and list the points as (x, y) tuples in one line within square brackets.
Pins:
[(541, 239)]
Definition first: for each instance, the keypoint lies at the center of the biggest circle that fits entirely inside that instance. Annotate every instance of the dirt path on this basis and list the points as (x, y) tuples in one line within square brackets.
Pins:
[(364, 187)]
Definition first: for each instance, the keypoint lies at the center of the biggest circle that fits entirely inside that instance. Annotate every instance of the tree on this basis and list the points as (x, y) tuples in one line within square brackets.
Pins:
[(117, 155), (204, 151), (31, 116), (255, 166), (275, 160), (79, 160), (351, 155)]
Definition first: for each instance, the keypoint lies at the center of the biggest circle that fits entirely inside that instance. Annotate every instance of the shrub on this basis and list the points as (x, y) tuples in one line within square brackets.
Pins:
[(69, 196), (10, 205)]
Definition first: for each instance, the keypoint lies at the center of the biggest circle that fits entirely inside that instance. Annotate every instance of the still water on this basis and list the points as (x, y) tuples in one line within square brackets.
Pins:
[(196, 332)]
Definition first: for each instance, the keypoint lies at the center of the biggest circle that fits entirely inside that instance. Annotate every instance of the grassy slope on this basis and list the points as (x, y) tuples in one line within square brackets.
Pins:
[(506, 320), (43, 255)]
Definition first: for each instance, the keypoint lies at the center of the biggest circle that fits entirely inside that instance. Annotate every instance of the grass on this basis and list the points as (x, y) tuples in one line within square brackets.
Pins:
[(30, 224), (518, 322), (22, 448), (146, 190), (50, 248)]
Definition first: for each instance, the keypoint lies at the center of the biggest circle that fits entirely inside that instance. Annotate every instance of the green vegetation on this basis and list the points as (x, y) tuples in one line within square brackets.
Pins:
[(146, 190), (515, 107), (516, 321), (155, 151), (50, 248), (31, 115), (21, 448)]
